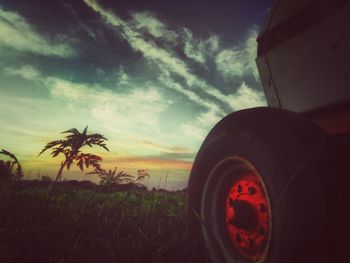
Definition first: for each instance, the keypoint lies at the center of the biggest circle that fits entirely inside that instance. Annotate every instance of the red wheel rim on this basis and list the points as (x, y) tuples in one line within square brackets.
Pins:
[(247, 216)]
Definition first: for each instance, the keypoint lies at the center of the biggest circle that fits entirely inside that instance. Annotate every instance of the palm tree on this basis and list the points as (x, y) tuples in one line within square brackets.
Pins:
[(111, 177), (70, 148)]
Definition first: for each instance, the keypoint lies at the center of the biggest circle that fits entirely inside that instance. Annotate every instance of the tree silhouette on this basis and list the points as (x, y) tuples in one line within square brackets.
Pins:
[(11, 169), (70, 148), (111, 177), (141, 175)]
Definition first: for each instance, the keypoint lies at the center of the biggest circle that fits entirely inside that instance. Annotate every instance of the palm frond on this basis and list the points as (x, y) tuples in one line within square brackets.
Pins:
[(11, 164), (73, 130), (96, 139), (141, 175), (52, 144), (11, 155), (111, 177), (85, 130), (88, 159), (74, 141)]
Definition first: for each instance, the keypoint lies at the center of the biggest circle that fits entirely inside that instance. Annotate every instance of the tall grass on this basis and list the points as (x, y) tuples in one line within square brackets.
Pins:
[(130, 226), (52, 221)]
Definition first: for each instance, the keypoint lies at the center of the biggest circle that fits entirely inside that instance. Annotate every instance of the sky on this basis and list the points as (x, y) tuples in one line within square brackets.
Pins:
[(152, 76)]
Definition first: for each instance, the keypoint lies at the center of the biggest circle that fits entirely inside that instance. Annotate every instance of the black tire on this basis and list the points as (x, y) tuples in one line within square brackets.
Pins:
[(289, 154)]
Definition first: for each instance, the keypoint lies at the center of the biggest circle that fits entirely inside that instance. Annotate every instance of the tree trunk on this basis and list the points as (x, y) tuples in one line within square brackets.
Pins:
[(58, 177), (59, 173)]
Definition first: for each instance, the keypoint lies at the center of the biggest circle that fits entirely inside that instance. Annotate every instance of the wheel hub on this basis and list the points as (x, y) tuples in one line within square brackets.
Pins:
[(247, 216)]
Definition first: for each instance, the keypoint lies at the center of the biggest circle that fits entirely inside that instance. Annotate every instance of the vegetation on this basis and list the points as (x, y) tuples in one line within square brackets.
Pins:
[(121, 226), (70, 148), (10, 169), (115, 221)]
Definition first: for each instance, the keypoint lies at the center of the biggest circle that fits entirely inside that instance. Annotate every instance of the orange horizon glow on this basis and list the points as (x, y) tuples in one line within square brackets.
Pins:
[(125, 162)]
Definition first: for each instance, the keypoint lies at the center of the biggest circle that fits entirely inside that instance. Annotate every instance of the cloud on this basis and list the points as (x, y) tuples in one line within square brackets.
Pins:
[(239, 61), (193, 131), (200, 50), (235, 62), (147, 22), (251, 51), (166, 149), (229, 63), (164, 58), (25, 122), (26, 72), (138, 109), (69, 91), (246, 97), (208, 119), (122, 76), (166, 80), (16, 33)]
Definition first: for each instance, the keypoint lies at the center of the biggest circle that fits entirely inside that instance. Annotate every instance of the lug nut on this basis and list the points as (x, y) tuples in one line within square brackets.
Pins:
[(251, 190), (239, 188), (262, 208)]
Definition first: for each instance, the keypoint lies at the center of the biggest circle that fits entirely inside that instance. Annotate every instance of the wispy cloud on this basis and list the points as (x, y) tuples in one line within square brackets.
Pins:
[(166, 149), (193, 131), (246, 97), (166, 80), (122, 76), (197, 49), (25, 71), (148, 23), (208, 119), (165, 58), (136, 109), (24, 124), (16, 33), (239, 60)]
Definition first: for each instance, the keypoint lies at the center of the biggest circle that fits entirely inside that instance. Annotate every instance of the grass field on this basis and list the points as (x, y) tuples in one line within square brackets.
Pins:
[(92, 224), (69, 221)]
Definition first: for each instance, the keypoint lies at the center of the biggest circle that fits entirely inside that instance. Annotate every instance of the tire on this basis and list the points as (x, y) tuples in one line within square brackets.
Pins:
[(284, 158)]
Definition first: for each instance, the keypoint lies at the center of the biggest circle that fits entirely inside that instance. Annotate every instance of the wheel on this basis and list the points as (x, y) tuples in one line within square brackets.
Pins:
[(262, 190)]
